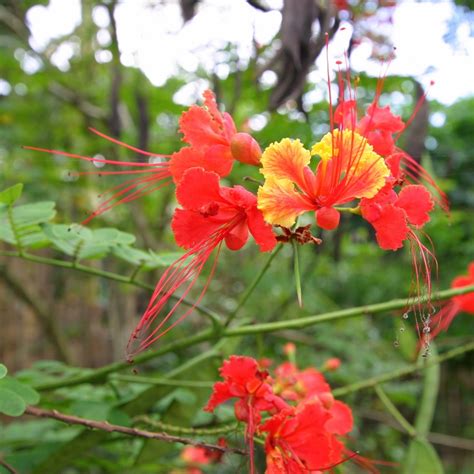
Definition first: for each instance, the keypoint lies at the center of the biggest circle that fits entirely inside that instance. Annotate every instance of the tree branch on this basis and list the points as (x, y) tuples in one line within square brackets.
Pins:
[(110, 428)]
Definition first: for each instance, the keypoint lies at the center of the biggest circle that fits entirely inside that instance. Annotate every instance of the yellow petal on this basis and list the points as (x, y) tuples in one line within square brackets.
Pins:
[(285, 160), (363, 171), (280, 203)]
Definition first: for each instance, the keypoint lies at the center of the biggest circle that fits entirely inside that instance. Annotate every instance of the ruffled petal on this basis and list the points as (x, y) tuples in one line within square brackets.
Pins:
[(200, 129), (391, 228), (417, 203), (381, 118), (239, 369), (198, 189), (260, 230), (216, 158), (280, 203), (286, 160), (341, 421), (220, 394)]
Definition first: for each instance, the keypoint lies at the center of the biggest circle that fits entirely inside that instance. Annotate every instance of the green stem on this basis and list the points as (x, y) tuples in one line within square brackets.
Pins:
[(208, 334), (296, 268), (223, 429), (253, 285), (398, 373), (393, 410), (101, 273), (162, 381)]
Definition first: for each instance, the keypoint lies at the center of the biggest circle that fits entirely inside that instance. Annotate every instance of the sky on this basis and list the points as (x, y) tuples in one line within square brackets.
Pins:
[(155, 40)]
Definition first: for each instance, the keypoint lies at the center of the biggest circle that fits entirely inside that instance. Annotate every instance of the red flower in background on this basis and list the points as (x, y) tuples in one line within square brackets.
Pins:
[(302, 439), (243, 380), (211, 215), (196, 457), (457, 304)]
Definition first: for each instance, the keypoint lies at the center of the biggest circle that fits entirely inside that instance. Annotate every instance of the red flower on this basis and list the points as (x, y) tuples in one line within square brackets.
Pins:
[(390, 214), (310, 385), (214, 141), (293, 384), (211, 215), (243, 380), (196, 456), (302, 439), (461, 303)]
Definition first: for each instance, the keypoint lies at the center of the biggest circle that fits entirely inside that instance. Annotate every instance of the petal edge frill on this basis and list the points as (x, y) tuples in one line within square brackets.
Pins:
[(286, 159), (280, 203)]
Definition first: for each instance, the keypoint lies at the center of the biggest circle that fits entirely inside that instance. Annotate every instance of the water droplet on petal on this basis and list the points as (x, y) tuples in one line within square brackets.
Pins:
[(405, 316)]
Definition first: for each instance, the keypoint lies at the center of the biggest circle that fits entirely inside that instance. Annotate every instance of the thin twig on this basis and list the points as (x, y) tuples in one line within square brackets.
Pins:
[(110, 428), (7, 466)]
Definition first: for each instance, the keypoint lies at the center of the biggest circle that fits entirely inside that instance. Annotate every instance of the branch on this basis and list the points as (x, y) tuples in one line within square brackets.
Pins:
[(106, 426), (209, 334), (7, 466)]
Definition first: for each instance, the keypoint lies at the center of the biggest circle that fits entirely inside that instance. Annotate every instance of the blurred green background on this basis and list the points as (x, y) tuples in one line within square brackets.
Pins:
[(46, 105)]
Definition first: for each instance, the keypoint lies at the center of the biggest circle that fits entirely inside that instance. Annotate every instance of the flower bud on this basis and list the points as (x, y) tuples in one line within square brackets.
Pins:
[(332, 364), (244, 148), (327, 218), (289, 348)]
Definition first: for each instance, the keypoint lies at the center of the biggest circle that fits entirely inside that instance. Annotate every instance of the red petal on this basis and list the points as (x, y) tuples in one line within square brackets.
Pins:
[(381, 118), (190, 228), (260, 230), (465, 302), (198, 188), (216, 158), (239, 369), (220, 394), (200, 129), (346, 114), (381, 141), (391, 228), (416, 201), (238, 236), (341, 421)]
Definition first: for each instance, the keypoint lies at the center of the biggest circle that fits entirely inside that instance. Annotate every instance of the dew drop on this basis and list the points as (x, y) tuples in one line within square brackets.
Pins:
[(396, 343), (426, 330), (405, 316), (402, 329)]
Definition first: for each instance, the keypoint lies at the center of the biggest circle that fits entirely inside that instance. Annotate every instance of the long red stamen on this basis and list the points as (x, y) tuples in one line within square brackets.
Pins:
[(183, 272), (126, 145)]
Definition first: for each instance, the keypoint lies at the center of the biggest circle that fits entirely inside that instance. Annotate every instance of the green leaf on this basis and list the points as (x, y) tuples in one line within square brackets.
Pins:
[(11, 403), (3, 371), (20, 225), (10, 195), (422, 458), (26, 393)]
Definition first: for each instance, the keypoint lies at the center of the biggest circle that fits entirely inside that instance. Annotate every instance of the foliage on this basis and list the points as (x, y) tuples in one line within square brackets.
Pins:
[(112, 264)]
